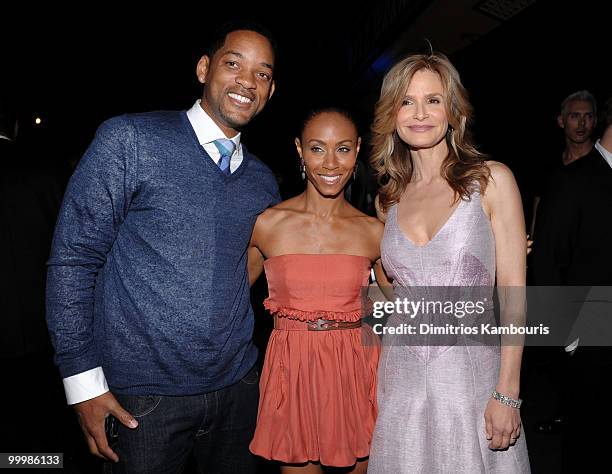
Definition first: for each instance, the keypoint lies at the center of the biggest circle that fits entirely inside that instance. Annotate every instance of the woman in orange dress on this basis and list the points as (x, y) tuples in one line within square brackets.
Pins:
[(317, 403)]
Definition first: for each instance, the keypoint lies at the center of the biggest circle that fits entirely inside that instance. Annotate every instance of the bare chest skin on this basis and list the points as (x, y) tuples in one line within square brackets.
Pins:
[(424, 210), (298, 233)]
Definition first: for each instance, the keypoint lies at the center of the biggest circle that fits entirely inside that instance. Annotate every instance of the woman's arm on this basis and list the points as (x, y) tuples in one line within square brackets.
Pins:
[(378, 230), (255, 255), (256, 260), (502, 200), (383, 281)]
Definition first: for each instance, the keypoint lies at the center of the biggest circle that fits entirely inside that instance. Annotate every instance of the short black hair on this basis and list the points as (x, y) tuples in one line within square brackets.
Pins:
[(217, 39), (315, 112)]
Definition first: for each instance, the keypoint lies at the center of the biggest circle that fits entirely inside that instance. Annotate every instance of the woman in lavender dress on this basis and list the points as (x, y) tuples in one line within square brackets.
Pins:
[(452, 219)]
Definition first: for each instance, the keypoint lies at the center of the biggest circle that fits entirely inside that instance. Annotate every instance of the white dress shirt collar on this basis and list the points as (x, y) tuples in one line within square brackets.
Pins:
[(208, 131), (604, 152)]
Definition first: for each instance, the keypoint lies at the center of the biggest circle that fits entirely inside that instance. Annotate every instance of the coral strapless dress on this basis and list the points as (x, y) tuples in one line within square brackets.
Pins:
[(318, 388)]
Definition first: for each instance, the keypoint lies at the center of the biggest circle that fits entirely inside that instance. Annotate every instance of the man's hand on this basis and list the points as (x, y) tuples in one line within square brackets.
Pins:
[(529, 244), (92, 413)]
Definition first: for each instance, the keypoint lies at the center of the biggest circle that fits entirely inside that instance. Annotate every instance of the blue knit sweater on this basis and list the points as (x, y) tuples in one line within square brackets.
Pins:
[(148, 270)]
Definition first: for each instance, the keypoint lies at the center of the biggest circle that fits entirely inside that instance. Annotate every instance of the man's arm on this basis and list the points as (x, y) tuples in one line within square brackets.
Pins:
[(94, 206)]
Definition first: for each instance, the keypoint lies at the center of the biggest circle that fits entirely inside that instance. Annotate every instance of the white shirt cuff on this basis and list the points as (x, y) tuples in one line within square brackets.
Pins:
[(85, 386)]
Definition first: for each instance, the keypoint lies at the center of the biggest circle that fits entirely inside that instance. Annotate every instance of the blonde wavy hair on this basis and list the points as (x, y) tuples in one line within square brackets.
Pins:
[(391, 160)]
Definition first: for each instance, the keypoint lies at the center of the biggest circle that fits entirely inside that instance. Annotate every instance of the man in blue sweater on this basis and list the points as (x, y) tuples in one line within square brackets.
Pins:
[(148, 295)]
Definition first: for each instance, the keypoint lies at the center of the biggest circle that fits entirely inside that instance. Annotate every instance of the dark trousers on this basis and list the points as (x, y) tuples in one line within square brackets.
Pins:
[(585, 439), (216, 428)]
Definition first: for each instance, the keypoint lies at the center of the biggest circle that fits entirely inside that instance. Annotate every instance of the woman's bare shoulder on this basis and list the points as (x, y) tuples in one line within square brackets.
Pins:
[(500, 173), (278, 213), (501, 188), (369, 223)]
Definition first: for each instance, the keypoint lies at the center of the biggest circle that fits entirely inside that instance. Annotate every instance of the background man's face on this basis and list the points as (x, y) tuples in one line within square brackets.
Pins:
[(579, 122)]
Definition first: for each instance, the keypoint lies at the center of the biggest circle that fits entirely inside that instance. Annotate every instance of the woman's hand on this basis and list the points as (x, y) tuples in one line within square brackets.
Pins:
[(502, 424)]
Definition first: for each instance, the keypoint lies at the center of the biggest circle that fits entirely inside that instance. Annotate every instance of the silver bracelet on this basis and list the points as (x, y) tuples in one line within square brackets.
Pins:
[(506, 400)]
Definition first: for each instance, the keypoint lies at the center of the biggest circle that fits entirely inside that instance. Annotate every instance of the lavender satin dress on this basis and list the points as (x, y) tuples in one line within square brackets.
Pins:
[(432, 398)]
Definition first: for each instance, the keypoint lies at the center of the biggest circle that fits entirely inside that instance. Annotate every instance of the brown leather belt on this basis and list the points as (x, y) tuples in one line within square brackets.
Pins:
[(318, 325), (329, 325)]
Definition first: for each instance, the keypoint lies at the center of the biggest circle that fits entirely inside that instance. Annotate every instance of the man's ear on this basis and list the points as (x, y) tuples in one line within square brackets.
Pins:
[(560, 121), (202, 68)]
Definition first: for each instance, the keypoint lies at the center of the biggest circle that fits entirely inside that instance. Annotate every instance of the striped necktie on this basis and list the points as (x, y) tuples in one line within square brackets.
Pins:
[(226, 148)]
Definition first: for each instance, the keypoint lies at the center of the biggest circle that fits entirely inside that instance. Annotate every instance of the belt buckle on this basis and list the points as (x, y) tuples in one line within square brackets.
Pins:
[(319, 325)]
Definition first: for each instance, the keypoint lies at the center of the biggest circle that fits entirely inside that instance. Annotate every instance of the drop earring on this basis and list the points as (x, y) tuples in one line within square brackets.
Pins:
[(302, 168), (355, 171)]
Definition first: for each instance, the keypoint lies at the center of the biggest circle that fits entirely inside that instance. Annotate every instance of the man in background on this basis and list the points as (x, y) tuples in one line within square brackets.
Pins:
[(577, 119), (573, 238)]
